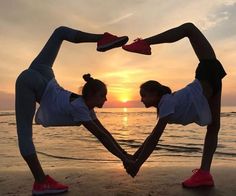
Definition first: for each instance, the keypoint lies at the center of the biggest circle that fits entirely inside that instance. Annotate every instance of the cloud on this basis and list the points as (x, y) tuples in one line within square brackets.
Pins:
[(26, 26), (226, 26), (119, 19)]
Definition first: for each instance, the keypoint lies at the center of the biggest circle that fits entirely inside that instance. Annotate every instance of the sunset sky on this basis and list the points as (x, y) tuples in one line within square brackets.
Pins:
[(26, 25)]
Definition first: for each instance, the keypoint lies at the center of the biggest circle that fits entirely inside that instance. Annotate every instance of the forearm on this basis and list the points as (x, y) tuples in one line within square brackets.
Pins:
[(137, 153), (147, 148), (105, 139), (109, 135), (115, 142), (150, 143), (112, 146)]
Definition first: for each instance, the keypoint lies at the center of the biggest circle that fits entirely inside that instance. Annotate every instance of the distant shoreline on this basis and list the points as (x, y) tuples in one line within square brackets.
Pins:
[(13, 109)]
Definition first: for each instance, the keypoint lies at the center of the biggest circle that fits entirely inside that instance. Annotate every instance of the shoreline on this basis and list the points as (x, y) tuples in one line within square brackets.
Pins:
[(96, 180)]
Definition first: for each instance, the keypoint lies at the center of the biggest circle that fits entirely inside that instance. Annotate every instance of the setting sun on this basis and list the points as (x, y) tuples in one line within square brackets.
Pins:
[(124, 100), (124, 97)]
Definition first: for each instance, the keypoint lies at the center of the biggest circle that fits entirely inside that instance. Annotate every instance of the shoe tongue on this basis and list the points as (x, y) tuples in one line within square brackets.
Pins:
[(49, 179), (203, 171), (137, 39)]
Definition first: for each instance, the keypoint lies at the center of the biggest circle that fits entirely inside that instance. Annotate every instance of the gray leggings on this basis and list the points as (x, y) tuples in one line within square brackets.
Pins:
[(31, 84)]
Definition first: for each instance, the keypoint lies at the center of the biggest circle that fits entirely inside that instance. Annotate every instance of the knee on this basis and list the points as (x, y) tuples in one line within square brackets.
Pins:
[(60, 32), (26, 145), (60, 29), (66, 33), (214, 128), (189, 27)]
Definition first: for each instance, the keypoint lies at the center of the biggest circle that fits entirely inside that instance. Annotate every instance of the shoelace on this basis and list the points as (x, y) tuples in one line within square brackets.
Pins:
[(195, 171), (137, 39)]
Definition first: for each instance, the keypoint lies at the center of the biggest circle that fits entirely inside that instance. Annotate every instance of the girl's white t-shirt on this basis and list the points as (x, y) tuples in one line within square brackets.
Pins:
[(186, 106), (57, 110)]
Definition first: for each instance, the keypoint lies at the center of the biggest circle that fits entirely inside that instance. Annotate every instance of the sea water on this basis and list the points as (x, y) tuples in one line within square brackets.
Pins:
[(74, 146)]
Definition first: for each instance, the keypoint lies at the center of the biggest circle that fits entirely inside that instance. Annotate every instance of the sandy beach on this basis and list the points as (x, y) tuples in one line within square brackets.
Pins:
[(96, 180), (73, 157)]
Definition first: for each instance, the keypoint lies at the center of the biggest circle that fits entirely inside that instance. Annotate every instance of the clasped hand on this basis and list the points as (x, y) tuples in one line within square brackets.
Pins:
[(130, 165)]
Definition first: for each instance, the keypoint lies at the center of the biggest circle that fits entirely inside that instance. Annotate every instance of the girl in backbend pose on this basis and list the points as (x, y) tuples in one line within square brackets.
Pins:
[(199, 101), (59, 106)]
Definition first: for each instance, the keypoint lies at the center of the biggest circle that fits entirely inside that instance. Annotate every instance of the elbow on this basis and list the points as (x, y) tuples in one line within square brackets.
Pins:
[(60, 30)]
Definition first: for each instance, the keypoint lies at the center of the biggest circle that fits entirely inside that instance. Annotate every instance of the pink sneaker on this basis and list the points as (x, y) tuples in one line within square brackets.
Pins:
[(49, 186), (109, 41), (138, 46), (199, 178)]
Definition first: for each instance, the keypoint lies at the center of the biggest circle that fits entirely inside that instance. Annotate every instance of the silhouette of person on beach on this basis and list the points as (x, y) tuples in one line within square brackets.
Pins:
[(59, 107), (199, 101)]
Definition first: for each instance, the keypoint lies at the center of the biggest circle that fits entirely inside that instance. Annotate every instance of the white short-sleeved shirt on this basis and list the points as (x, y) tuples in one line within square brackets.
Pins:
[(57, 110), (186, 106)]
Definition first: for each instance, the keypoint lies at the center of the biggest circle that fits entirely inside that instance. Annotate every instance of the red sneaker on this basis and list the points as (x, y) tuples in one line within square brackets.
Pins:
[(109, 41), (199, 178), (138, 46), (49, 186)]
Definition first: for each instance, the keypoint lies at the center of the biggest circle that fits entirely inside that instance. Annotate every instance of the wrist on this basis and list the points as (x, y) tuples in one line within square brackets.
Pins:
[(124, 152), (138, 163), (123, 157)]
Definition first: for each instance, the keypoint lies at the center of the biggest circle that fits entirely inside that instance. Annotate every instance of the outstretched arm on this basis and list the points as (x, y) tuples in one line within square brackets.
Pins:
[(147, 148), (105, 139), (99, 124), (200, 44)]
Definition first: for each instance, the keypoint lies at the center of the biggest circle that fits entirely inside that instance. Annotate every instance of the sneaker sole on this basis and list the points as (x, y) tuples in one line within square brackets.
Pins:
[(207, 184), (139, 52), (49, 192), (118, 43)]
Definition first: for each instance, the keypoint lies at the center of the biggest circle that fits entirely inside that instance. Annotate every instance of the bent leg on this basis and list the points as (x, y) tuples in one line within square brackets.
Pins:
[(49, 52), (211, 138), (200, 44)]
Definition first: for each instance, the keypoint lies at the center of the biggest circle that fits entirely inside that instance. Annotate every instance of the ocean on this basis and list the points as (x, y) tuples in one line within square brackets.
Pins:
[(75, 146)]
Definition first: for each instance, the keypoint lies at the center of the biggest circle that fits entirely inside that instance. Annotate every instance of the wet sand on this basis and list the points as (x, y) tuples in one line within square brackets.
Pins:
[(102, 180)]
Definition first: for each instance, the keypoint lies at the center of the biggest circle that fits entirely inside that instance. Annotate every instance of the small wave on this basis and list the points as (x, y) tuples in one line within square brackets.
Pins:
[(226, 153), (228, 114), (175, 148), (3, 122), (94, 160), (2, 113), (89, 160), (127, 141), (12, 123), (177, 155), (76, 158)]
